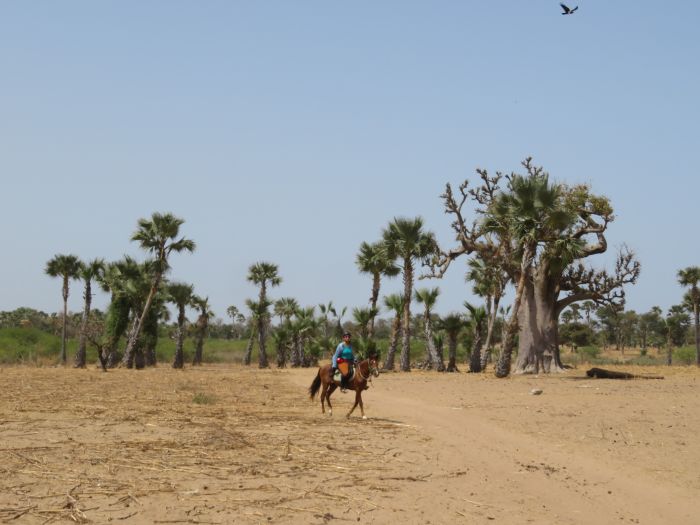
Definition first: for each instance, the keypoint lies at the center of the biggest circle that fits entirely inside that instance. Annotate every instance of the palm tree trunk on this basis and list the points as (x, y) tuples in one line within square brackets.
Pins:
[(452, 350), (80, 355), (493, 315), (262, 355), (406, 335), (249, 347), (503, 365), (475, 360), (697, 334), (393, 341), (179, 361), (373, 304), (138, 323), (64, 357)]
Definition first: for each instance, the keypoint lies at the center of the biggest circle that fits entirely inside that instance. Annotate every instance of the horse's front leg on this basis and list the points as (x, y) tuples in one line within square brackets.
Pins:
[(358, 399)]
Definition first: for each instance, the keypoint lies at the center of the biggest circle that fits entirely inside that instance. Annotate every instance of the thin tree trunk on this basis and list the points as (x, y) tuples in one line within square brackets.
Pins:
[(697, 334), (64, 357), (433, 357), (406, 335), (138, 323), (249, 347), (262, 355), (376, 282), (452, 350), (393, 343), (179, 361), (488, 345), (80, 355), (475, 359), (503, 365)]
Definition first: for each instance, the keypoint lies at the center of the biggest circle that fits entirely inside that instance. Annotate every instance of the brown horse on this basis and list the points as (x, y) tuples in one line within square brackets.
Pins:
[(358, 383)]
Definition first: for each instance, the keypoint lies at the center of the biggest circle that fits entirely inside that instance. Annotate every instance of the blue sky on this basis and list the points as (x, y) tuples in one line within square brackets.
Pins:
[(291, 131)]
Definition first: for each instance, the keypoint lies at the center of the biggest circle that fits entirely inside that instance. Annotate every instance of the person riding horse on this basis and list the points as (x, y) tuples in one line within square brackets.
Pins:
[(343, 360)]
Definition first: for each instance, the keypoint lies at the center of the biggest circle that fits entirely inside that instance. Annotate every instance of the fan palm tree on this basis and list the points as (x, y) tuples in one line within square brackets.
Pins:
[(263, 274), (489, 281), (236, 317), (527, 214), (363, 316), (158, 236), (88, 272), (427, 297), (394, 303), (478, 318), (690, 277), (374, 260), (180, 294), (452, 324), (285, 307), (280, 337), (257, 311), (202, 325), (66, 267), (407, 241), (302, 329)]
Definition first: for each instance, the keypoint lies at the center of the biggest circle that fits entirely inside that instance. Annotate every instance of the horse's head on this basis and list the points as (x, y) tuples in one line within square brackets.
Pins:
[(373, 361)]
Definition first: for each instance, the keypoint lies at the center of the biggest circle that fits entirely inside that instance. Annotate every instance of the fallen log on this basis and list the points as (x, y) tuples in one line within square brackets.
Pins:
[(601, 373)]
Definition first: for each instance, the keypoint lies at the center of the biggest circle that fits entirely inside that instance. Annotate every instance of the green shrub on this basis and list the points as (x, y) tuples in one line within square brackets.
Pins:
[(589, 352), (684, 355)]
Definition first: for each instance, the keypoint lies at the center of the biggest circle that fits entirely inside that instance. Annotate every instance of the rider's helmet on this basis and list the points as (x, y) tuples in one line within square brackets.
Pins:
[(347, 334)]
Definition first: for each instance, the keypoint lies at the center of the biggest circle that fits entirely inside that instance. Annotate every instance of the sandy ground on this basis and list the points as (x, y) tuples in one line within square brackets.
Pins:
[(225, 444)]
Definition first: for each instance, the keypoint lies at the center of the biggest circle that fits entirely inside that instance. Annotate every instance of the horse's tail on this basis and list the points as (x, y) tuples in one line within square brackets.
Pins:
[(313, 389)]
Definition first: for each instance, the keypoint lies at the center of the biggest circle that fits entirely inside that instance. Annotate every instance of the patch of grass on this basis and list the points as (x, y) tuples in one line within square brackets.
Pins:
[(201, 398), (684, 355)]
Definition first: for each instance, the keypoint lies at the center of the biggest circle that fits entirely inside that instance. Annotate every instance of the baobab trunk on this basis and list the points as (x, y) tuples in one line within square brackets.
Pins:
[(538, 348)]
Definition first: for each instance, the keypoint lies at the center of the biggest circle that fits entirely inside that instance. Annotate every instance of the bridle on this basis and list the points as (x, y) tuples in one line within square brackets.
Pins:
[(372, 371)]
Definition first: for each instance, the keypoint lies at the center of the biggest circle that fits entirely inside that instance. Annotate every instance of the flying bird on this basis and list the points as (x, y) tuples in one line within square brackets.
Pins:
[(568, 11)]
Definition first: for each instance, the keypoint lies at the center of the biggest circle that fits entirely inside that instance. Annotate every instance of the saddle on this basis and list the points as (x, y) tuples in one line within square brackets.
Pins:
[(343, 370)]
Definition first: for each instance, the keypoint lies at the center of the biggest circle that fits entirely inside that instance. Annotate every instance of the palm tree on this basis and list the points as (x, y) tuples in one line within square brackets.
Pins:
[(394, 303), (202, 325), (690, 277), (452, 324), (490, 281), (373, 259), (527, 214), (428, 297), (285, 307), (302, 329), (407, 242), (88, 272), (236, 317), (157, 236), (363, 316), (280, 336), (66, 267), (257, 311), (263, 274), (181, 295), (477, 319)]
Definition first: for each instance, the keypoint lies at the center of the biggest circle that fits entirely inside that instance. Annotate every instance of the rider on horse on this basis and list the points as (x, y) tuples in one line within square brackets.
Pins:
[(343, 354)]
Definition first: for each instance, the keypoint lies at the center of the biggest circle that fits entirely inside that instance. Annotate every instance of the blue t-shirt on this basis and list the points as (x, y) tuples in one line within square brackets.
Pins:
[(344, 351)]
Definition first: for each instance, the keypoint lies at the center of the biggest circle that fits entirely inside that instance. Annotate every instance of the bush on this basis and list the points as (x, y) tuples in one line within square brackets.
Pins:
[(684, 355), (589, 352)]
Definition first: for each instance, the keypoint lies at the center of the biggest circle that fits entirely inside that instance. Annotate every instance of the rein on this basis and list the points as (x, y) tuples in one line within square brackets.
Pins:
[(369, 371)]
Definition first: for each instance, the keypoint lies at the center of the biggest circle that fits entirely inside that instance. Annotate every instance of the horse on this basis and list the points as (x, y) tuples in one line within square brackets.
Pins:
[(363, 371)]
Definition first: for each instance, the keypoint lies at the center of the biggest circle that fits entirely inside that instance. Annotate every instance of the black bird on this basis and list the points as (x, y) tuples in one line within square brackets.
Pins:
[(568, 11)]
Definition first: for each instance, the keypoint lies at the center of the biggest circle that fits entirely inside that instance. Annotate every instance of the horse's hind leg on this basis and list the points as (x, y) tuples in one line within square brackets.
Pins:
[(323, 398), (331, 389)]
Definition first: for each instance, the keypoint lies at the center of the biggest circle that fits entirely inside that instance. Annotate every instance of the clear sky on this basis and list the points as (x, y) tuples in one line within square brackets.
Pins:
[(291, 131)]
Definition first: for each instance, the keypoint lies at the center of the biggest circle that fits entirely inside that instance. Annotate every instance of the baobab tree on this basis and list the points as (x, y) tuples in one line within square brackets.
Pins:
[(566, 226)]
